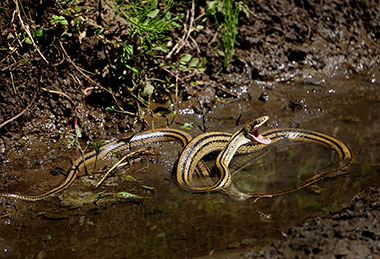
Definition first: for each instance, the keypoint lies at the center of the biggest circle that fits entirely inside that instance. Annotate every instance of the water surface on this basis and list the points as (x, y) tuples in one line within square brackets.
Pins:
[(170, 222)]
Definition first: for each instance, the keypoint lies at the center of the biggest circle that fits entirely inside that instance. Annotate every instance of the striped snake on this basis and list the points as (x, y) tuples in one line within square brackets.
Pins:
[(245, 140)]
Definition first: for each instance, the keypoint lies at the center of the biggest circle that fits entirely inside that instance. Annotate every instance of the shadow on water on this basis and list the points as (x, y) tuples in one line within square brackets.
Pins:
[(169, 222)]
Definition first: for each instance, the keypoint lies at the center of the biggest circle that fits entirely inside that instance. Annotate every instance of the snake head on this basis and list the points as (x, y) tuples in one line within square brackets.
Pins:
[(252, 130)]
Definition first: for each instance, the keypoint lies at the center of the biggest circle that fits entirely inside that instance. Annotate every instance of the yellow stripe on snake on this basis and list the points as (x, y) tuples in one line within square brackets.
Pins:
[(245, 140)]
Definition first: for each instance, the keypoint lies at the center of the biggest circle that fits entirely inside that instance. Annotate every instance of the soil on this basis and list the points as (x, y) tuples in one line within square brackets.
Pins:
[(350, 233), (281, 46)]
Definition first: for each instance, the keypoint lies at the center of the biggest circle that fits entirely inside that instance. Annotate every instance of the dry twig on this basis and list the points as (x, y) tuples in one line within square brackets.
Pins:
[(59, 93), (11, 213), (132, 155), (179, 45), (82, 71), (26, 29), (20, 114)]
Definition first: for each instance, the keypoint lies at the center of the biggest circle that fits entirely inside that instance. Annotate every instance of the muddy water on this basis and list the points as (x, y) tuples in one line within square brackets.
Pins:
[(169, 222)]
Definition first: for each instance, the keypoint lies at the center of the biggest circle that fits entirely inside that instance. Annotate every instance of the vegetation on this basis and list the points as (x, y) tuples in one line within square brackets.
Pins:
[(229, 23), (149, 45)]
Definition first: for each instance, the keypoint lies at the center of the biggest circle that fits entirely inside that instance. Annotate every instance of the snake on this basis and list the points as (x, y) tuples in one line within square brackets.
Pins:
[(79, 166), (245, 140)]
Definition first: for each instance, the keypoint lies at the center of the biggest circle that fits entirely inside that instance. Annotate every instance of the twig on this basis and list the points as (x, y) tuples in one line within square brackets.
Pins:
[(20, 114), (81, 70), (191, 24), (13, 83), (177, 78), (226, 91), (59, 93), (11, 213), (26, 28), (195, 44), (130, 155), (186, 35), (12, 64), (176, 89), (8, 214), (176, 75), (215, 36)]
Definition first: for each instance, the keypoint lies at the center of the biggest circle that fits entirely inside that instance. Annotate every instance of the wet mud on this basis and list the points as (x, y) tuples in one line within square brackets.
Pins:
[(304, 64), (351, 233)]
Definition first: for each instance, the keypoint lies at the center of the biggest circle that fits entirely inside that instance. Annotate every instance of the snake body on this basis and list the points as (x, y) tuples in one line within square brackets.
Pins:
[(242, 142), (79, 166), (245, 140), (207, 143)]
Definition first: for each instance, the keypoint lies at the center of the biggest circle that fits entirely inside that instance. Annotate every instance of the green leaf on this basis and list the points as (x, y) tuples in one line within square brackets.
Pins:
[(153, 13), (129, 195), (39, 33), (127, 177), (78, 9), (133, 69), (194, 62), (186, 58), (187, 126), (127, 51), (60, 20), (220, 52), (148, 89), (201, 69), (199, 27), (28, 40), (211, 5), (78, 132), (161, 48), (70, 141)]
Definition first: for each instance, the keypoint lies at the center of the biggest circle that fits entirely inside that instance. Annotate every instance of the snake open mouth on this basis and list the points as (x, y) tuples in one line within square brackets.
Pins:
[(259, 138)]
